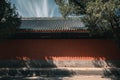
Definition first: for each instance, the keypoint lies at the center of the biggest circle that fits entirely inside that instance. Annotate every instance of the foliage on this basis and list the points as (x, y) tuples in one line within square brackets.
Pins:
[(73, 7), (67, 8), (93, 18), (103, 16), (100, 15), (76, 7), (9, 19)]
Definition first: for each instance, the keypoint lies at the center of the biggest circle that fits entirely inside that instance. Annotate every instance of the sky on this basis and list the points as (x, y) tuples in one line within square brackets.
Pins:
[(37, 8)]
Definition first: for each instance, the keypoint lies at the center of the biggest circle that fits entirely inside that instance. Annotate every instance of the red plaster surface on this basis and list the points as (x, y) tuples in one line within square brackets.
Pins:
[(59, 49)]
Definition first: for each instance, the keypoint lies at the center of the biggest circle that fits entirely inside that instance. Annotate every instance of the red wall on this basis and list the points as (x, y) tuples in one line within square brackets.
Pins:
[(61, 49)]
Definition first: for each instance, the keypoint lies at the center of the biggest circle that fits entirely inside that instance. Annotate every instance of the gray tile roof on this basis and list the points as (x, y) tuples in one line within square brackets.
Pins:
[(51, 24)]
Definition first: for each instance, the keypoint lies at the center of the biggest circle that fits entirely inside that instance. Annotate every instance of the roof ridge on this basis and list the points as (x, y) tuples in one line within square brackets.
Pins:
[(49, 18)]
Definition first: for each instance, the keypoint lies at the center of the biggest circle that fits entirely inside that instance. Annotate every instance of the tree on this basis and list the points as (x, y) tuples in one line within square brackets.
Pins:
[(67, 8), (93, 18), (72, 7), (9, 19), (111, 13), (99, 15), (103, 16)]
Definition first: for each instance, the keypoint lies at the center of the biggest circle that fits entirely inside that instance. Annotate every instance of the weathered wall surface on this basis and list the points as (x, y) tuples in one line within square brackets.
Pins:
[(59, 49)]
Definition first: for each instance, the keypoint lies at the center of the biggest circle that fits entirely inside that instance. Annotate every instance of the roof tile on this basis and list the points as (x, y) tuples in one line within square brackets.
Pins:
[(52, 24)]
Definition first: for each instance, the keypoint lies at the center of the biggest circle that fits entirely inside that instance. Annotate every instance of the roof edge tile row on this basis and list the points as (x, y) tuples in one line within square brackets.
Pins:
[(84, 30), (50, 18)]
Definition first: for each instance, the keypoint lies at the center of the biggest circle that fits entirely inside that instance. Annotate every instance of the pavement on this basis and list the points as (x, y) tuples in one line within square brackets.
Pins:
[(60, 73), (79, 77)]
